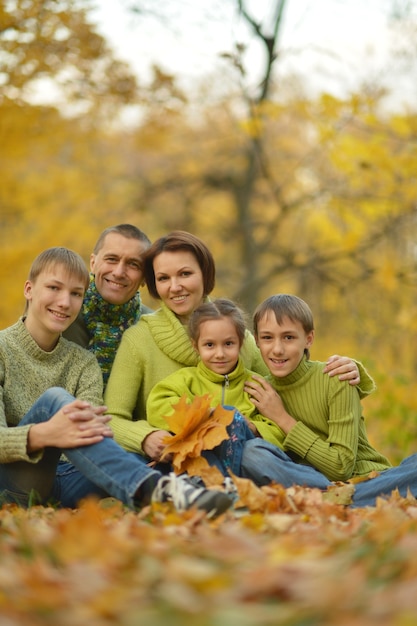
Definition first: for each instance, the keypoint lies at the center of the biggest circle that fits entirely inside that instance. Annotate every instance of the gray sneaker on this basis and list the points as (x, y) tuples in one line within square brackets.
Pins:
[(184, 495)]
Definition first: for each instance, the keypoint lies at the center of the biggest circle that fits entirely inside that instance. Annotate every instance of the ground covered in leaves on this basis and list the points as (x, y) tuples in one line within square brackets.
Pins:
[(293, 557)]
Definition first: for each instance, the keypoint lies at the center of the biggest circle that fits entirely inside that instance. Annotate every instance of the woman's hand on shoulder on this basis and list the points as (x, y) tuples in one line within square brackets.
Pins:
[(344, 368)]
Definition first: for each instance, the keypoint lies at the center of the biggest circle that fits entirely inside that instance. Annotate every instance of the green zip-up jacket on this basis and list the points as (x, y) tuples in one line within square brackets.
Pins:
[(225, 390)]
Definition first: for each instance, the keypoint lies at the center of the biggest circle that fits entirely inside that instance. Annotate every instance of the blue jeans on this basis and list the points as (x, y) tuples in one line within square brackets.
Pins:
[(264, 463), (101, 469), (402, 477), (228, 455)]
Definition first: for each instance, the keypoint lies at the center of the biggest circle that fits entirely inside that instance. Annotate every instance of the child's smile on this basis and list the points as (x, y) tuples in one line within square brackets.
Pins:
[(55, 299), (282, 345), (218, 345)]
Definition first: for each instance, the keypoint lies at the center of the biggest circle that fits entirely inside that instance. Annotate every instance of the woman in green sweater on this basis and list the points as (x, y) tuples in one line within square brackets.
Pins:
[(321, 417), (180, 272)]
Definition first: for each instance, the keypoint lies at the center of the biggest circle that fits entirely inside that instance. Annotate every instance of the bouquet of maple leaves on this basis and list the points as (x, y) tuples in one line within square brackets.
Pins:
[(196, 426)]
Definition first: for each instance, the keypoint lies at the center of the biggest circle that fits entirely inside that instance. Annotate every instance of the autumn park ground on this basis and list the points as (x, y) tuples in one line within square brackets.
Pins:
[(296, 557)]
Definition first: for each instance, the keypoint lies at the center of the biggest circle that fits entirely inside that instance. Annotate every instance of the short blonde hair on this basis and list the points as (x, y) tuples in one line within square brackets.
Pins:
[(71, 261)]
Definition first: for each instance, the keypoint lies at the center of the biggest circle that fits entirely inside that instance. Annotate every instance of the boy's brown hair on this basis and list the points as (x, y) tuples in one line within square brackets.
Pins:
[(71, 261), (285, 305)]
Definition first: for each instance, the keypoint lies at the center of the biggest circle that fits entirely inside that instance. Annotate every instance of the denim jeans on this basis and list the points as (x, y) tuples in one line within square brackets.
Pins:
[(228, 454), (104, 468), (402, 477), (263, 463)]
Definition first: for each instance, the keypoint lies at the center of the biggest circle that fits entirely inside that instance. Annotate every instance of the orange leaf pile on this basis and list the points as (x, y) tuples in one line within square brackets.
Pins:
[(196, 427), (290, 557)]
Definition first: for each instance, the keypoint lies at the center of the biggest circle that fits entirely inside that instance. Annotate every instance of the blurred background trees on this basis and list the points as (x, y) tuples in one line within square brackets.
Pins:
[(309, 194)]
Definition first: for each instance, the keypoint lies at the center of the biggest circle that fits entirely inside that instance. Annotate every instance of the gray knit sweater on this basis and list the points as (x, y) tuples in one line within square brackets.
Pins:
[(26, 371)]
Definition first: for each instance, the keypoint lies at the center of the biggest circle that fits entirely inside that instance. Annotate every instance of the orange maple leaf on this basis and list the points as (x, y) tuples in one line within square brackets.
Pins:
[(250, 496), (196, 427)]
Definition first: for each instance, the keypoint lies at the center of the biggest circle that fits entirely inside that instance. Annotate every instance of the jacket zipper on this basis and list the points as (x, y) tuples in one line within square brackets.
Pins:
[(226, 383)]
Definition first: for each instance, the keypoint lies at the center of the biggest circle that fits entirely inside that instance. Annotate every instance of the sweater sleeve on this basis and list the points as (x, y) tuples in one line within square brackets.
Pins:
[(131, 435), (268, 430), (122, 392), (13, 439), (334, 456), (366, 384), (14, 445)]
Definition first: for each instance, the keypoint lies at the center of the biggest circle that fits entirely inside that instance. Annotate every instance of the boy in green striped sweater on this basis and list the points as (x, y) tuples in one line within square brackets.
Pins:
[(320, 417)]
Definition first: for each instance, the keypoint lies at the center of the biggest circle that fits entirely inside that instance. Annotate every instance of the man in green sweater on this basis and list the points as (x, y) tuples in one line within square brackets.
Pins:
[(51, 403), (321, 418)]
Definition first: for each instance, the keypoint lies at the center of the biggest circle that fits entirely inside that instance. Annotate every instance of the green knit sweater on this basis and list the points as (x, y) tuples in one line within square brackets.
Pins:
[(26, 371), (330, 433), (224, 389), (149, 351)]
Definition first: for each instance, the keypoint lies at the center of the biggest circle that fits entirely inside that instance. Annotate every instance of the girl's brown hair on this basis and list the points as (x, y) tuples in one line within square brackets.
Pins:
[(217, 309)]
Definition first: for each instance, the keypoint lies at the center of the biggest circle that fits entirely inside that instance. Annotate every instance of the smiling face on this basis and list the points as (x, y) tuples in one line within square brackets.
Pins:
[(54, 301), (218, 345), (282, 345), (179, 282), (117, 267)]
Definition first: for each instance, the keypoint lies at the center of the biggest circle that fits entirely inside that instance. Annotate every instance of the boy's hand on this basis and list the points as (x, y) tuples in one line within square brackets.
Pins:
[(268, 402), (344, 368), (76, 424), (86, 414)]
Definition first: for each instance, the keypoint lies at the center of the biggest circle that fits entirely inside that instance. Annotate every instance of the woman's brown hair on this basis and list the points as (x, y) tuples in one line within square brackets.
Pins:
[(174, 241)]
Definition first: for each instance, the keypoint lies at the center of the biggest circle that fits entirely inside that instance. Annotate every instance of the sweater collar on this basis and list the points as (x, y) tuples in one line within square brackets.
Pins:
[(29, 345), (236, 374), (171, 336)]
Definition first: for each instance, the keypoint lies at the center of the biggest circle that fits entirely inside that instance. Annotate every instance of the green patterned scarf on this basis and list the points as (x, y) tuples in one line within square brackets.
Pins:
[(106, 324)]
